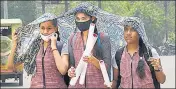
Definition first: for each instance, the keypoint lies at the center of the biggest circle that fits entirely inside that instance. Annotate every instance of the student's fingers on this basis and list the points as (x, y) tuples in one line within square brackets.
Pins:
[(70, 74), (151, 59), (73, 75), (155, 62), (85, 59), (111, 84), (15, 37), (54, 37), (14, 33), (72, 69), (106, 85), (156, 66)]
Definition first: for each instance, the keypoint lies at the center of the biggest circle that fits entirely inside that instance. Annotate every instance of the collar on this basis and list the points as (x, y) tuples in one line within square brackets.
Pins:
[(126, 50)]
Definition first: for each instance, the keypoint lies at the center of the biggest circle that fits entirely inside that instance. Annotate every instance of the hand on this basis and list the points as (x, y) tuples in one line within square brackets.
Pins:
[(71, 72), (113, 84), (87, 59), (155, 63), (106, 85), (53, 41)]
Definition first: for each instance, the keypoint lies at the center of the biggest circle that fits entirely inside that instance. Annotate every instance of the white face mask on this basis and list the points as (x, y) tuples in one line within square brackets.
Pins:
[(48, 37)]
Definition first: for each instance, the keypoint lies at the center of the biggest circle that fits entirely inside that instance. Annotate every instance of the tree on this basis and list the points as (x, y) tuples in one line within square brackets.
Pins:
[(24, 10), (151, 13)]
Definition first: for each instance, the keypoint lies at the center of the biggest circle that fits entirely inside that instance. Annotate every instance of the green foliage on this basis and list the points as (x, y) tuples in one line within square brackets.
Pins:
[(25, 10), (152, 14)]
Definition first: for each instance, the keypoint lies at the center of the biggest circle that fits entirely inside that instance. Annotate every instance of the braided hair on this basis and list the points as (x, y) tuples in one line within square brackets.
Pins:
[(141, 64)]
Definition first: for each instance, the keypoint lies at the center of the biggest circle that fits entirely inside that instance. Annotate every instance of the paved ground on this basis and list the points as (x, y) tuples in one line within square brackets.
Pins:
[(168, 63)]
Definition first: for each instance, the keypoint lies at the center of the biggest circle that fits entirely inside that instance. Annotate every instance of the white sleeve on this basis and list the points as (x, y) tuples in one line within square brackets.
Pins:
[(155, 53), (113, 62), (65, 49)]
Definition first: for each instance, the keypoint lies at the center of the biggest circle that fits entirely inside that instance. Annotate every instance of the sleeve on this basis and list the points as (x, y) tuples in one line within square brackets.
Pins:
[(155, 53), (65, 49), (106, 53), (59, 46), (106, 48), (114, 64)]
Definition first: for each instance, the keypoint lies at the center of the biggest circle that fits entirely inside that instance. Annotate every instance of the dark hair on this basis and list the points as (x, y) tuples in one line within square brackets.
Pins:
[(141, 64), (82, 10), (54, 22)]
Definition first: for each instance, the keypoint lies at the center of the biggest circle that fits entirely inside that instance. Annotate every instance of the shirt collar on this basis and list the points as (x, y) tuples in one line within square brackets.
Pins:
[(126, 50)]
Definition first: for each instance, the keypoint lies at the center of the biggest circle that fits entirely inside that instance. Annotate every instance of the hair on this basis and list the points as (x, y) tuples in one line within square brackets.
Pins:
[(54, 22), (82, 10), (141, 64)]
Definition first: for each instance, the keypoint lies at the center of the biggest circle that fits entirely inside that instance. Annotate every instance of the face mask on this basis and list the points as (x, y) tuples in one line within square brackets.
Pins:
[(83, 26), (48, 37)]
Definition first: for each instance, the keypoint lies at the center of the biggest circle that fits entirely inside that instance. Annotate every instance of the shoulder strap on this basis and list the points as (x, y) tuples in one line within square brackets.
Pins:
[(100, 36), (118, 56), (70, 50), (155, 81)]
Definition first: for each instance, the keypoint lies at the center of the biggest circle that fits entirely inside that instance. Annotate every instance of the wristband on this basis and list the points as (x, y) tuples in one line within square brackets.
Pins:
[(159, 69)]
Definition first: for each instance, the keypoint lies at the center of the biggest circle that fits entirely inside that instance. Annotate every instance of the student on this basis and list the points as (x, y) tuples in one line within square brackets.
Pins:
[(139, 65), (77, 21), (49, 65), (94, 77)]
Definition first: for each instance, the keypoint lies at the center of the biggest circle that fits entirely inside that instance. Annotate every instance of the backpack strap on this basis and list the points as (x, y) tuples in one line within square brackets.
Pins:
[(70, 50), (118, 56), (100, 36), (155, 81)]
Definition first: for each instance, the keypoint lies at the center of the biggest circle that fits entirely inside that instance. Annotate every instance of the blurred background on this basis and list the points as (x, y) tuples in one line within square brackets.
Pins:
[(158, 18)]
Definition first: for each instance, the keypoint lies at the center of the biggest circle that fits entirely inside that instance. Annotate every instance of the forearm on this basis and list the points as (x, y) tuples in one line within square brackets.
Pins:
[(11, 58), (61, 62), (115, 74), (160, 76), (95, 62)]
